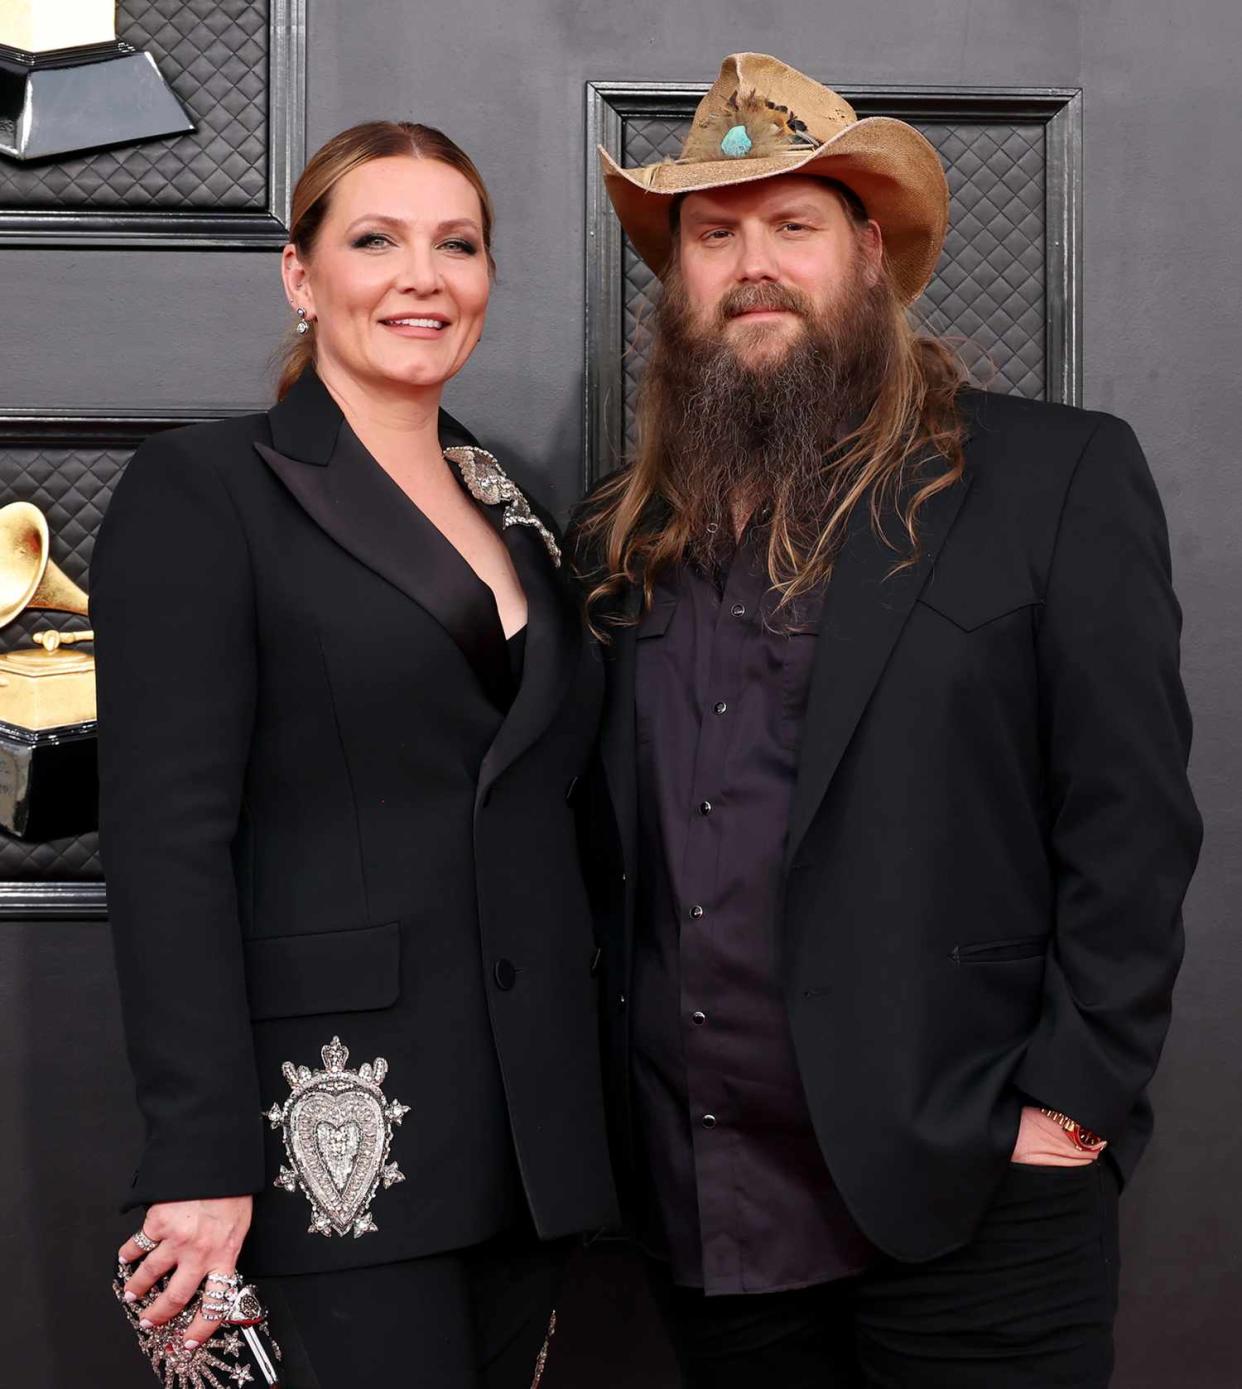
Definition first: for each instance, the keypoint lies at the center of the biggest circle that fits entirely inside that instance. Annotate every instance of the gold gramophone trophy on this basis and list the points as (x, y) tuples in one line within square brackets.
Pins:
[(48, 777)]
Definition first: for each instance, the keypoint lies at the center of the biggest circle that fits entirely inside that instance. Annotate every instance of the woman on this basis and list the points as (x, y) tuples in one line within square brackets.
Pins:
[(344, 698)]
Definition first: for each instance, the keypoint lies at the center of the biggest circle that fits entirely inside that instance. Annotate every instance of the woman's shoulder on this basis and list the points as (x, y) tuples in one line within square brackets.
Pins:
[(209, 443), (191, 476)]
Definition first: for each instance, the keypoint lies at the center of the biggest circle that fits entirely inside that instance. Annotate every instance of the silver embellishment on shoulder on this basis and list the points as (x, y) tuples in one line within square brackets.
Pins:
[(487, 482), (337, 1127)]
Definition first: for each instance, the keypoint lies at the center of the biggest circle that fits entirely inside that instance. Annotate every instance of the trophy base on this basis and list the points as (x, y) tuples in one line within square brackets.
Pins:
[(77, 99), (49, 781), (45, 690)]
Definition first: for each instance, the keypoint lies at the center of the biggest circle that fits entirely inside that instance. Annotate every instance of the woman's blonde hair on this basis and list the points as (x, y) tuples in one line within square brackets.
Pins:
[(327, 166)]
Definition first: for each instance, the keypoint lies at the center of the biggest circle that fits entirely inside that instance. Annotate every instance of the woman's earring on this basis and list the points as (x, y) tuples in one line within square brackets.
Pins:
[(303, 326)]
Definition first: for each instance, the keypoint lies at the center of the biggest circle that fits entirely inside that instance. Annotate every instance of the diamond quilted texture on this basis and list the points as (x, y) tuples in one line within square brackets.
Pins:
[(71, 486), (988, 293), (214, 54)]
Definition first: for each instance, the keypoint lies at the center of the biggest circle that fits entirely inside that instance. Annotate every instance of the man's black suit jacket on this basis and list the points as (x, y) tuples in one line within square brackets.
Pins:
[(317, 821), (991, 831)]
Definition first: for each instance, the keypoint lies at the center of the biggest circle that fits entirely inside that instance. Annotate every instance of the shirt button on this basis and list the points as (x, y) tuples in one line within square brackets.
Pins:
[(738, 610), (695, 913), (721, 707), (709, 1121), (698, 1018), (705, 807)]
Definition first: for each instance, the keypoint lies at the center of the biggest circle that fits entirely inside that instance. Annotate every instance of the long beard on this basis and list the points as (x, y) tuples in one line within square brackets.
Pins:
[(753, 435)]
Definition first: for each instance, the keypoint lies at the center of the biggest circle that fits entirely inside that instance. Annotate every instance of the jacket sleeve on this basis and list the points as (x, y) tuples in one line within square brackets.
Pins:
[(1124, 829), (173, 611)]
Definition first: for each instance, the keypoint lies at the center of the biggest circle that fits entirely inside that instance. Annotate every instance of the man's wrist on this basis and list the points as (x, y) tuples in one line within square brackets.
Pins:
[(1083, 1139)]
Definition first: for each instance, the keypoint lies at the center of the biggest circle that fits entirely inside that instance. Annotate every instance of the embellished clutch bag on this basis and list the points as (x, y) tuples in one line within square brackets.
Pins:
[(242, 1351)]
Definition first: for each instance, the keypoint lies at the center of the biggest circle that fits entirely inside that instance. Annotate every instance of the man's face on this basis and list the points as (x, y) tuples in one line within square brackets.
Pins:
[(758, 259)]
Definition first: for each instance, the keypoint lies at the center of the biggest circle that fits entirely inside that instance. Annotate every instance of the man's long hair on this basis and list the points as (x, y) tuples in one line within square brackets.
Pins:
[(882, 424)]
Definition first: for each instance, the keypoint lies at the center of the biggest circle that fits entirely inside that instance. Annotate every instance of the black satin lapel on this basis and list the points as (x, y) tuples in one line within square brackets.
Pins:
[(618, 738), (553, 643), (863, 614), (358, 505)]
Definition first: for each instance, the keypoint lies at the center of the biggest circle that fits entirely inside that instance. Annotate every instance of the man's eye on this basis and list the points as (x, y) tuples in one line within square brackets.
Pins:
[(716, 234), (794, 226), (369, 239)]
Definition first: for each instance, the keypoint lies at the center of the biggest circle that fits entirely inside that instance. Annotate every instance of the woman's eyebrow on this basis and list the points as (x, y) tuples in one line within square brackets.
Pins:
[(400, 223)]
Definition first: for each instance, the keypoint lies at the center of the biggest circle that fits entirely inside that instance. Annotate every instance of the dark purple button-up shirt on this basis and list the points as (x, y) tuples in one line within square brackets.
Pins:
[(740, 1199)]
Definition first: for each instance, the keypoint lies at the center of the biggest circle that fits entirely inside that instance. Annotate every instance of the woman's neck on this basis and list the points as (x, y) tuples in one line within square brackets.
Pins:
[(399, 427)]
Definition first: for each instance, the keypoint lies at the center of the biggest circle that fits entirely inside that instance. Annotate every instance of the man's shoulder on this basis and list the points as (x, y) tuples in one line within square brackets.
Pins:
[(1020, 422), (1031, 447)]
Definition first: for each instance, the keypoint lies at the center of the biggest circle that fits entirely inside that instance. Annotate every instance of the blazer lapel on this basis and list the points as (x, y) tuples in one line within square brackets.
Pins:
[(863, 613), (553, 644), (348, 495)]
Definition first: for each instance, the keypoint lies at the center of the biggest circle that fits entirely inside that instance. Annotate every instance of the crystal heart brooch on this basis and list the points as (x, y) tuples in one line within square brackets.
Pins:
[(337, 1126)]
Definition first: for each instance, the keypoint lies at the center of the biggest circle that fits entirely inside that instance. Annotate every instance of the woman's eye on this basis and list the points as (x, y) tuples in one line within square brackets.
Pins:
[(459, 243), (370, 239)]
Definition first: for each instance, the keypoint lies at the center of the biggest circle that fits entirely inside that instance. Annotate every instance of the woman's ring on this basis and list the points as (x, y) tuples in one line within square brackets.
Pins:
[(219, 1294), (144, 1241)]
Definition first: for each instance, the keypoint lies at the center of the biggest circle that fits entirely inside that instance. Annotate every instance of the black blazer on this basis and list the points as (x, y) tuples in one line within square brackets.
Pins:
[(991, 831), (319, 820)]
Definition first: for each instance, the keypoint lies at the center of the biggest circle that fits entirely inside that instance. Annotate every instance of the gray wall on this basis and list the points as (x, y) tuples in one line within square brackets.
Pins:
[(1163, 174)]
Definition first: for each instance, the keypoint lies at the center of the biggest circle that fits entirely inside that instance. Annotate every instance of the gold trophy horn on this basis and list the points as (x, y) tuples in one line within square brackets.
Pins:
[(28, 577), (46, 688)]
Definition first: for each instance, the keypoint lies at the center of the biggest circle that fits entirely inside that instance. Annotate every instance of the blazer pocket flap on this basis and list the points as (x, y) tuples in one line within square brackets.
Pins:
[(974, 606), (323, 972)]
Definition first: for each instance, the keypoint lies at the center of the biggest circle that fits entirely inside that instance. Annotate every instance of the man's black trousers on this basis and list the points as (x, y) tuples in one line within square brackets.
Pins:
[(1027, 1304)]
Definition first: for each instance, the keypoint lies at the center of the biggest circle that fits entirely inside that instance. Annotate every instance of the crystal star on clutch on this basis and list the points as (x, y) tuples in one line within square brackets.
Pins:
[(487, 482), (228, 1360), (337, 1129)]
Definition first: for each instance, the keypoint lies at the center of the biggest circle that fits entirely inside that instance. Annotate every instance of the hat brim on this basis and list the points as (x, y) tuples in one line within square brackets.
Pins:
[(892, 167)]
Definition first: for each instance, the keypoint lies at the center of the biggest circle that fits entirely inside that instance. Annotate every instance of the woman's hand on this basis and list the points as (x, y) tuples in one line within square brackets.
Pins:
[(193, 1239)]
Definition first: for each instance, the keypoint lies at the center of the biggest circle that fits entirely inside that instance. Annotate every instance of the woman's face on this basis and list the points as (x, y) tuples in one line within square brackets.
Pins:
[(398, 280)]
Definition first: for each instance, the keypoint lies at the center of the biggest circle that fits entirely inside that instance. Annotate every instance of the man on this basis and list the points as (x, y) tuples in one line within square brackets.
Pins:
[(895, 749)]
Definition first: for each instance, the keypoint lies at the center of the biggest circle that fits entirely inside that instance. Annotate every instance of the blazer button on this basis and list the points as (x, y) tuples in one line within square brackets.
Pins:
[(504, 974)]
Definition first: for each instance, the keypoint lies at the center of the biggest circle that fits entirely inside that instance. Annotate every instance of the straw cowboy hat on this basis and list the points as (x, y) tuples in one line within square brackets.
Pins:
[(761, 119)]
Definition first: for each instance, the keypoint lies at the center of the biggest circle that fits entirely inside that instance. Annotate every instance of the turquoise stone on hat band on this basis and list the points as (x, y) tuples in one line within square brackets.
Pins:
[(736, 143)]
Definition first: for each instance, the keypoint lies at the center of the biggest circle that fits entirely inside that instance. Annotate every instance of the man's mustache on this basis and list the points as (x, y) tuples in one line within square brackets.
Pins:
[(753, 298)]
